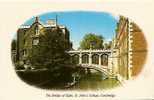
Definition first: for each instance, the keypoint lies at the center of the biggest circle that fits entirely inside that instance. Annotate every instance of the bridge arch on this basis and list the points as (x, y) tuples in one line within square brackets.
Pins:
[(102, 69)]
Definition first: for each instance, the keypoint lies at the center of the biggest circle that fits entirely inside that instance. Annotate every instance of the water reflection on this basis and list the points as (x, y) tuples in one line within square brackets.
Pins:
[(95, 81), (68, 79)]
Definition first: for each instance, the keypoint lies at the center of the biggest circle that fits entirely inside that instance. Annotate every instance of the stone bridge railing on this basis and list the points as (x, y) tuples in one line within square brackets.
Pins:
[(99, 57)]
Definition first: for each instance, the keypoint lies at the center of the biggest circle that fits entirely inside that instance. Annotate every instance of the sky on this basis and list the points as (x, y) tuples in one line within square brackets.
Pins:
[(81, 22)]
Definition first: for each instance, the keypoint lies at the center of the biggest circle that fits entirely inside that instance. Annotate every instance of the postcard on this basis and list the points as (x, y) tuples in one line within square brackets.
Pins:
[(76, 50)]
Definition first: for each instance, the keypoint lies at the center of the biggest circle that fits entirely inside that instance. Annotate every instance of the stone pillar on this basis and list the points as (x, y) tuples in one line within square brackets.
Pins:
[(130, 41), (100, 59), (90, 59), (80, 58)]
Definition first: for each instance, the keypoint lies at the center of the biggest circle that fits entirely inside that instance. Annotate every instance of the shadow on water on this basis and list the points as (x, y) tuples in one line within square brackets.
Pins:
[(47, 79), (63, 79), (95, 81)]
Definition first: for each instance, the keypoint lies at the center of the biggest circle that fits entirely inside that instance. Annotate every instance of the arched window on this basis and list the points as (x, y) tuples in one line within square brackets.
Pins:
[(104, 59), (85, 58), (95, 59)]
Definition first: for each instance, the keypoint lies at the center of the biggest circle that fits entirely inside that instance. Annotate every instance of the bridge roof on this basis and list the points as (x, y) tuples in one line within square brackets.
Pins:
[(90, 51)]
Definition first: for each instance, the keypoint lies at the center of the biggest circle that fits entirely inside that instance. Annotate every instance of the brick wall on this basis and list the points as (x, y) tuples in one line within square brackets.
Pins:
[(139, 50), (132, 47)]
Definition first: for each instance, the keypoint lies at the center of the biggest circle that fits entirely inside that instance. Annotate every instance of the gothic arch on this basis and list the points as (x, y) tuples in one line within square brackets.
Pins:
[(75, 59), (95, 59), (104, 59), (85, 58)]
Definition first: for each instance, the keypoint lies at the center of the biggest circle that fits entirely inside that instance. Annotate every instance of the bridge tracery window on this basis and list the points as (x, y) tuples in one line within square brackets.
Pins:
[(95, 59), (104, 59), (75, 59), (85, 58)]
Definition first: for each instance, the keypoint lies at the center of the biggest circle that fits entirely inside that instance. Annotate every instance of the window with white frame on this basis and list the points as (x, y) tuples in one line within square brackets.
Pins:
[(25, 52), (63, 30), (35, 41), (37, 32)]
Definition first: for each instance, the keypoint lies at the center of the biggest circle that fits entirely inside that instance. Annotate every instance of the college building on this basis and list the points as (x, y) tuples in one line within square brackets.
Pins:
[(131, 49), (28, 37)]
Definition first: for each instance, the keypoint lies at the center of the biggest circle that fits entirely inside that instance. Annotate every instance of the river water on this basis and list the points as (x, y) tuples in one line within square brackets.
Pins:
[(90, 81), (95, 81)]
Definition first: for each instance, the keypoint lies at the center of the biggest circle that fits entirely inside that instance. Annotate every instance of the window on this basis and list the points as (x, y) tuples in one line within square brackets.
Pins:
[(35, 41), (24, 41), (37, 32), (25, 52), (63, 30)]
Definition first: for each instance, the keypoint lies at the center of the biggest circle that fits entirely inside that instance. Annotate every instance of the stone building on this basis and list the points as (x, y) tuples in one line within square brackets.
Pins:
[(28, 37), (131, 48)]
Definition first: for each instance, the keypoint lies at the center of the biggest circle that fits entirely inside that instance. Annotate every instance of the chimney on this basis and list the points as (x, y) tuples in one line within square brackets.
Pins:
[(51, 22), (37, 19)]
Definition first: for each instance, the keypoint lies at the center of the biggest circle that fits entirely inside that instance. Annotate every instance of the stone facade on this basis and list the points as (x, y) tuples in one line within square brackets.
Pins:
[(28, 37), (131, 47)]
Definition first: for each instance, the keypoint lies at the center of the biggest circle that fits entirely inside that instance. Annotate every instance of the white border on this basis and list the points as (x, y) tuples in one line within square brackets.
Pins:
[(15, 13)]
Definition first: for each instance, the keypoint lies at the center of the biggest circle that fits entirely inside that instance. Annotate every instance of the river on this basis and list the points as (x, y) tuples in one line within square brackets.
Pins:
[(91, 81), (95, 81)]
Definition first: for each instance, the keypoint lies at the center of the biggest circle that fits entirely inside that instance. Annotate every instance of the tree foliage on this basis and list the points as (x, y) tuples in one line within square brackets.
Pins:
[(91, 41), (108, 45), (51, 49)]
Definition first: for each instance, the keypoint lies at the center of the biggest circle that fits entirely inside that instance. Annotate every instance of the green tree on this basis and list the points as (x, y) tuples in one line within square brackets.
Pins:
[(50, 51), (92, 41), (108, 45)]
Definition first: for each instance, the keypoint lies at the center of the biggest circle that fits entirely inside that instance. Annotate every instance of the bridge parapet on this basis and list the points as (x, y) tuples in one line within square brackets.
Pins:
[(99, 56), (90, 51)]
